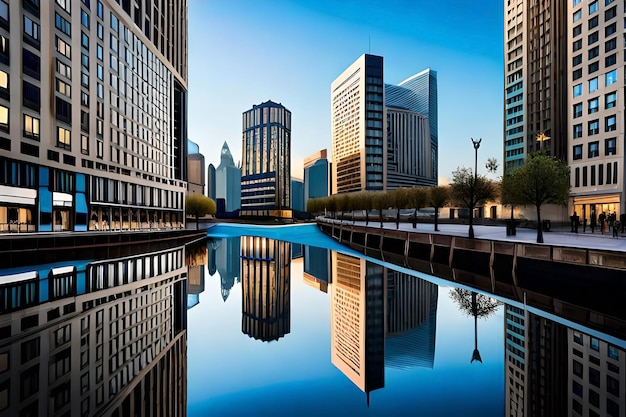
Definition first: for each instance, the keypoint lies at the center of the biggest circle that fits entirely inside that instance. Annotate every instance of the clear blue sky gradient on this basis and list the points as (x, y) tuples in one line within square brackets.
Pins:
[(244, 52)]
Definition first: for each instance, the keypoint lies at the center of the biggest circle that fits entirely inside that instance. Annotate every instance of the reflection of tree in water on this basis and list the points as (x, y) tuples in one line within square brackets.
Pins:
[(477, 305)]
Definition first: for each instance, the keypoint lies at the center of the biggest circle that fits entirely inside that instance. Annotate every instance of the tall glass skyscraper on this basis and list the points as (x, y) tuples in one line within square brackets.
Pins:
[(418, 93), (266, 167), (228, 180), (316, 176)]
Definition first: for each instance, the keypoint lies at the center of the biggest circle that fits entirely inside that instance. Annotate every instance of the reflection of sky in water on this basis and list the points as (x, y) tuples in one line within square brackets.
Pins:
[(232, 374)]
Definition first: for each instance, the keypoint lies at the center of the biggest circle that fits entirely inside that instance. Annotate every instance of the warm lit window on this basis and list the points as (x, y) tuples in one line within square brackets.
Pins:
[(63, 48), (4, 119), (63, 88), (64, 70), (63, 138), (31, 127)]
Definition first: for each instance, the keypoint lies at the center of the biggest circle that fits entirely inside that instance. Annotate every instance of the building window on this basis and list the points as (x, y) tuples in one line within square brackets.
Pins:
[(593, 67), (593, 52), (577, 45), (610, 29), (610, 100), (578, 90), (31, 127), (614, 172), (592, 38), (63, 88), (611, 77), (84, 144), (610, 13), (84, 18), (593, 150), (609, 123), (593, 175), (577, 74), (593, 84), (610, 60), (63, 138), (578, 110), (577, 152), (62, 24), (99, 149), (578, 131), (577, 60), (4, 84), (84, 40), (577, 177), (63, 110), (31, 29), (31, 96), (600, 174), (610, 146), (592, 106), (578, 14), (610, 45), (64, 70), (63, 48), (584, 176), (609, 177), (4, 14), (31, 64), (65, 5), (4, 119), (84, 60), (612, 352), (592, 23), (577, 30), (99, 52), (593, 127), (84, 98), (84, 121)]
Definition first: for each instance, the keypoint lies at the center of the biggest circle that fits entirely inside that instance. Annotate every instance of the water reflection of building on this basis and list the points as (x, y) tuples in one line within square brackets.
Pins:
[(102, 338), (597, 376), (536, 364), (357, 325), (265, 277), (196, 258), (317, 271), (227, 259), (411, 321)]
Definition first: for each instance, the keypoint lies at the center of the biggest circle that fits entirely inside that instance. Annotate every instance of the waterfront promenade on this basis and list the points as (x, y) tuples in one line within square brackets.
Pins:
[(555, 237)]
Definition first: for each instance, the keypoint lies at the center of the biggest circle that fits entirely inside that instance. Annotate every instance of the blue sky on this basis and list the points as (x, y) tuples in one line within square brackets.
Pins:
[(244, 52)]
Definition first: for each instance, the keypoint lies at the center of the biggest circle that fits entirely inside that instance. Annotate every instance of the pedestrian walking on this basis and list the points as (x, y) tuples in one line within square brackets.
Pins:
[(592, 223), (616, 227)]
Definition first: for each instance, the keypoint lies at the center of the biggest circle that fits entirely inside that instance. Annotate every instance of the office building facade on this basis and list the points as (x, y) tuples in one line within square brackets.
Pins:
[(195, 169), (316, 176), (417, 94), (297, 194), (596, 111), (210, 182), (266, 165), (358, 127), (93, 117), (535, 102), (228, 180)]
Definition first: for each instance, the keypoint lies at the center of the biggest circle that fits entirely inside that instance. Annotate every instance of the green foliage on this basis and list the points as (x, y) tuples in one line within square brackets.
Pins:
[(418, 197), (469, 191), (198, 205), (438, 197)]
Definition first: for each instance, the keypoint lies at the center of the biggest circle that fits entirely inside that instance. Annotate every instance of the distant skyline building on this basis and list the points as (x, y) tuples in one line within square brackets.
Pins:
[(266, 165), (358, 127), (228, 253), (228, 180), (535, 74), (210, 182), (297, 194), (316, 176), (417, 94), (195, 169)]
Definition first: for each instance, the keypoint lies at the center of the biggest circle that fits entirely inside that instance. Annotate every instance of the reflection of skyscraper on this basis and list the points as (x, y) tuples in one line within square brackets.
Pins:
[(357, 321), (117, 338), (317, 271), (265, 276), (196, 257), (228, 264), (411, 321), (536, 364)]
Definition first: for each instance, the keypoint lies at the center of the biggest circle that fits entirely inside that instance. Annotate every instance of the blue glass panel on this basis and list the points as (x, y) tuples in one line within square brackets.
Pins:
[(80, 183)]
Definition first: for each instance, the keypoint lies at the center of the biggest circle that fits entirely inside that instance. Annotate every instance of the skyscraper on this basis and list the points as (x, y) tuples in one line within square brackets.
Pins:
[(535, 102), (228, 180), (92, 114), (358, 128), (266, 167), (417, 94), (195, 167), (316, 176)]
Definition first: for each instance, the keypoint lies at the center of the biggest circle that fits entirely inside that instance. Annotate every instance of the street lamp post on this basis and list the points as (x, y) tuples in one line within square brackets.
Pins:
[(542, 138), (471, 214)]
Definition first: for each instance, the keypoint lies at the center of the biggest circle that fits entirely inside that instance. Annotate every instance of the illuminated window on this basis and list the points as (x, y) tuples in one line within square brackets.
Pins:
[(63, 138), (31, 127)]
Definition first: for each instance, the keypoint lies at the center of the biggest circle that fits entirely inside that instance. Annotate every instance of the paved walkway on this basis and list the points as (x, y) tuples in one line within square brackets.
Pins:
[(553, 237)]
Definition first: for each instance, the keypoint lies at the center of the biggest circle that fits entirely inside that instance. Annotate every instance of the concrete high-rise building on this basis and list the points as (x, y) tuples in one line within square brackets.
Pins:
[(595, 76), (535, 102), (93, 115), (266, 166), (316, 176), (228, 180), (358, 127), (415, 159), (195, 168)]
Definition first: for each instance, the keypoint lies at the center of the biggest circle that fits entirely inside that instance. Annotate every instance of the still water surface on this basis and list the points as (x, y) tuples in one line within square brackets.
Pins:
[(266, 326)]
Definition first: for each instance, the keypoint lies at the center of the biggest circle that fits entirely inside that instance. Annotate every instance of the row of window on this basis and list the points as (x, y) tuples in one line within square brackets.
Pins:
[(593, 127), (609, 78), (610, 100), (593, 149), (589, 175)]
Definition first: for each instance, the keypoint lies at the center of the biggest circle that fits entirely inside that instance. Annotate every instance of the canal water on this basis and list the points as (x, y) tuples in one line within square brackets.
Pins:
[(284, 321)]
